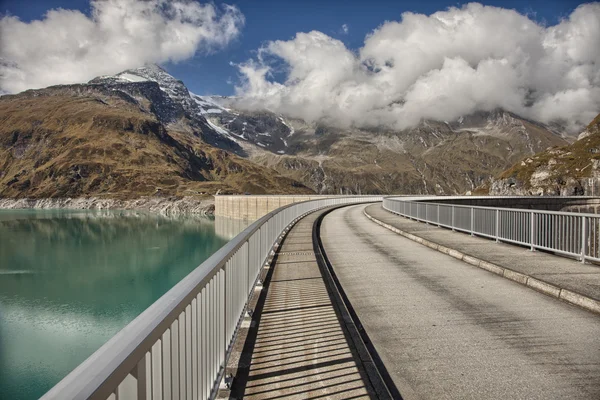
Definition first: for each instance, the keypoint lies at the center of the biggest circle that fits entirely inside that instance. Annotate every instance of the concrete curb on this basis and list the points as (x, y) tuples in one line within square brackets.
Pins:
[(566, 295)]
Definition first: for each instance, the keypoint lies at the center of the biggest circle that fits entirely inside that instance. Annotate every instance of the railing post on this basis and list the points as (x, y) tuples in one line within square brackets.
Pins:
[(532, 230), (142, 383), (438, 214), (453, 218), (497, 225), (226, 340), (472, 221), (583, 238)]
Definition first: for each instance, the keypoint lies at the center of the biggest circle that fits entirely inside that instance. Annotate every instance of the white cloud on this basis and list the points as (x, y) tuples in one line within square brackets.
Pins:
[(441, 66), (345, 29), (67, 46)]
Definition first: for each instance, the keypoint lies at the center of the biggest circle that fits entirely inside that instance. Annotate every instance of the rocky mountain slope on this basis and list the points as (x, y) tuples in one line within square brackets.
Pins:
[(434, 157), (122, 139), (562, 170), (142, 133)]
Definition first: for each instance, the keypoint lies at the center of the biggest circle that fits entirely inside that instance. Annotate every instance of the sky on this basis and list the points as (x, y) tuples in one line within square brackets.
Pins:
[(267, 20), (313, 59)]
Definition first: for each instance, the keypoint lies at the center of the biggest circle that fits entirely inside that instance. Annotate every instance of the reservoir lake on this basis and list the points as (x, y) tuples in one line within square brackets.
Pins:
[(70, 280)]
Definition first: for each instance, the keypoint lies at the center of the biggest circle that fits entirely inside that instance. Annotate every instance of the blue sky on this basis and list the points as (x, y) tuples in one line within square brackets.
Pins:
[(273, 20)]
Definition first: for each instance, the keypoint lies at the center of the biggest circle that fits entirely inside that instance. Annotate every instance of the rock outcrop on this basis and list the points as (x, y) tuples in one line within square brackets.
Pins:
[(559, 171)]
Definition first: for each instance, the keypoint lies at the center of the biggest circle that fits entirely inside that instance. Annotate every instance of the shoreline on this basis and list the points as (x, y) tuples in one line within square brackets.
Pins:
[(161, 205)]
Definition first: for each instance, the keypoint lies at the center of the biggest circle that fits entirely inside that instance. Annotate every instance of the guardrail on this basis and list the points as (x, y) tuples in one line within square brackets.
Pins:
[(570, 234), (178, 347)]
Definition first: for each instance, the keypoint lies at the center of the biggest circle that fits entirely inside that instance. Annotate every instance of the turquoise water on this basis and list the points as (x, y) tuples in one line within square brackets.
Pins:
[(71, 280)]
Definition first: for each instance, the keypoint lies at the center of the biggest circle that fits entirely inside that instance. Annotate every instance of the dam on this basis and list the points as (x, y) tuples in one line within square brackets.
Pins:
[(370, 297), (253, 207)]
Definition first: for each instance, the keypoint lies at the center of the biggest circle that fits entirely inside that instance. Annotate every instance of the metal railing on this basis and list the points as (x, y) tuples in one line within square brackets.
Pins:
[(178, 347), (570, 234)]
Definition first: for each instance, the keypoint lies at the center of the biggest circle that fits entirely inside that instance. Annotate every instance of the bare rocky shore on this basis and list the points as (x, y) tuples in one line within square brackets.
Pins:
[(162, 205)]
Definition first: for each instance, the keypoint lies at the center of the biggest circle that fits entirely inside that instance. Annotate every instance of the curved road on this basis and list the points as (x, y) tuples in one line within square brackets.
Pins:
[(447, 330)]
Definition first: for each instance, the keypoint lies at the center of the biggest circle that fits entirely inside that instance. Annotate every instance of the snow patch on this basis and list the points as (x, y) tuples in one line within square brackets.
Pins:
[(207, 105), (221, 131), (132, 78), (288, 126)]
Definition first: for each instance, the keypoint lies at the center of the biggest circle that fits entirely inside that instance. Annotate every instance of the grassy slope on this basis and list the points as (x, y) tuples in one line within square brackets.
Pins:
[(59, 146)]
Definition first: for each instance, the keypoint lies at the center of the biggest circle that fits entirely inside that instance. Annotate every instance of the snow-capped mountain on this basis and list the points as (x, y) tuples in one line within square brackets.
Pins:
[(137, 133), (264, 129), (172, 87)]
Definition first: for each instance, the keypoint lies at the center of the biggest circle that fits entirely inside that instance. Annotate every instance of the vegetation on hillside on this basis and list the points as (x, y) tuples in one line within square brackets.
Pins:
[(551, 171), (89, 145)]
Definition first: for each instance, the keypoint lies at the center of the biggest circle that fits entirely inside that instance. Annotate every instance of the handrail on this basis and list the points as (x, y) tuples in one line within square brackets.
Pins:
[(565, 233), (178, 347), (429, 200)]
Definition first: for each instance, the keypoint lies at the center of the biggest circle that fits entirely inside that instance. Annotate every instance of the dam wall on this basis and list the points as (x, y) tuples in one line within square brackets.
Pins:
[(252, 207)]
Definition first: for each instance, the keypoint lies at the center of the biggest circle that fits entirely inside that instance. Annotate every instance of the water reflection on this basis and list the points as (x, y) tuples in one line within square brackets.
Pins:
[(228, 228), (71, 280)]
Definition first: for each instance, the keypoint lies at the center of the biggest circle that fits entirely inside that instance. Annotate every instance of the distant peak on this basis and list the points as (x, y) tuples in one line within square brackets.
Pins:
[(154, 67), (149, 68), (148, 72), (151, 72)]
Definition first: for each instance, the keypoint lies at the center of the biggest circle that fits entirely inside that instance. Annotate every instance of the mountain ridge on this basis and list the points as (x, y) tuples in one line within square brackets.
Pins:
[(117, 139), (206, 139)]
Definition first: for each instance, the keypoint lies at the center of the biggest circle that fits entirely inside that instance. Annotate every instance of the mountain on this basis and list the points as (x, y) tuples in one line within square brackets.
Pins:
[(434, 157), (562, 170), (417, 160), (171, 103), (225, 127), (131, 135), (141, 132)]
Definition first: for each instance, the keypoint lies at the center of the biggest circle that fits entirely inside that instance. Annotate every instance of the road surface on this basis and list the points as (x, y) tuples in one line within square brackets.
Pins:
[(447, 330)]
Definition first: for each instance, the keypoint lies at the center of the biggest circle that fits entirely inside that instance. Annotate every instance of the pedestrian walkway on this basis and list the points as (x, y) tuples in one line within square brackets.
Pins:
[(301, 349), (557, 276)]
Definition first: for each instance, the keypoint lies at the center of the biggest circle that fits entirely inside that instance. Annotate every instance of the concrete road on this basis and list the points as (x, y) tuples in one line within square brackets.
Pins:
[(447, 330)]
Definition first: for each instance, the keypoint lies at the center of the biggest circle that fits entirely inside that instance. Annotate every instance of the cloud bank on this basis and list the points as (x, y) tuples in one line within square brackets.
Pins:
[(442, 66), (67, 46)]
